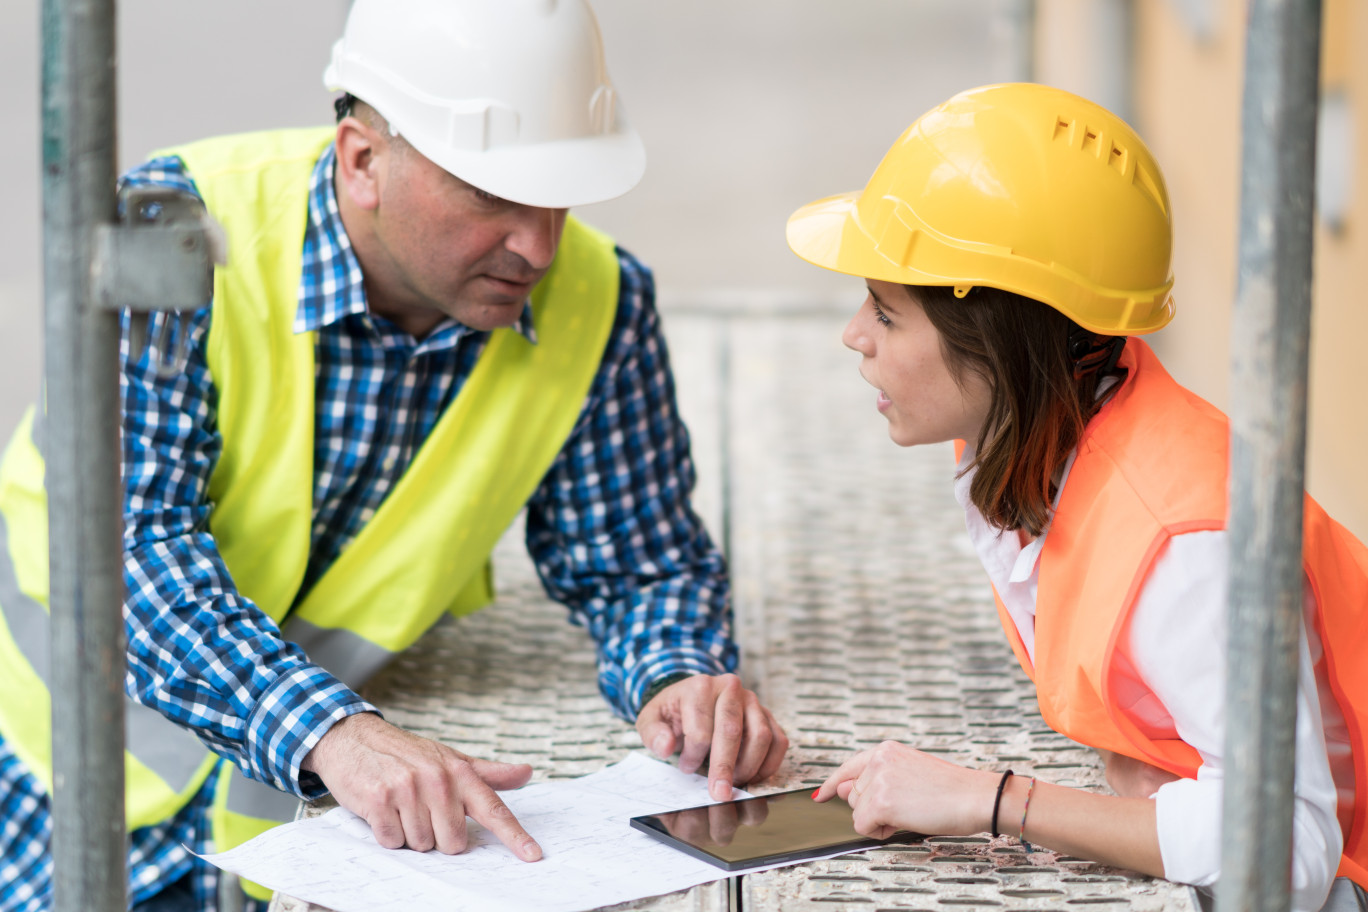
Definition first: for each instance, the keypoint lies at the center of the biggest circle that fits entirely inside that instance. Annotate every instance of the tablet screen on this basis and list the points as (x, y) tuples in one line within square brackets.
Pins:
[(786, 826)]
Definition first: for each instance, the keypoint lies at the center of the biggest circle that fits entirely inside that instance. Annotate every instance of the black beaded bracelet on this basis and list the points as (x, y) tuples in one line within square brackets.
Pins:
[(997, 801)]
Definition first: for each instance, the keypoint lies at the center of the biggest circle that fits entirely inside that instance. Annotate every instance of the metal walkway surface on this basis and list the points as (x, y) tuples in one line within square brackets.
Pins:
[(862, 612)]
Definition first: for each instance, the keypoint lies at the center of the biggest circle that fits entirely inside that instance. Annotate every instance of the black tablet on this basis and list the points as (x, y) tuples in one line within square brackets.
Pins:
[(772, 829)]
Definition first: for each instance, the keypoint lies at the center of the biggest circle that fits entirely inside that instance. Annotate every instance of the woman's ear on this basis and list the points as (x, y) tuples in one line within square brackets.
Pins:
[(360, 155)]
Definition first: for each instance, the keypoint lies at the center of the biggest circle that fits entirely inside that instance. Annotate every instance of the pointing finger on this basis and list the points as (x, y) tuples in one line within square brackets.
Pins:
[(847, 772), (488, 809), (729, 726)]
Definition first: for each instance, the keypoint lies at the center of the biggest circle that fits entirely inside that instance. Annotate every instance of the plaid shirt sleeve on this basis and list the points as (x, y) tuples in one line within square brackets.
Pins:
[(198, 651), (611, 527)]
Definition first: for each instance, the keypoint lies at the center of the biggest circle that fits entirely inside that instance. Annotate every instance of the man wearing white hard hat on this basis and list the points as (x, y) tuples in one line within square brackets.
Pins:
[(411, 342)]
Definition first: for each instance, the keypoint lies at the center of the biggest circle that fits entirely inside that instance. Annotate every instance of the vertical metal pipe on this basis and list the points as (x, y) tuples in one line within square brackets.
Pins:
[(1011, 36), (82, 396), (1114, 57), (1269, 345)]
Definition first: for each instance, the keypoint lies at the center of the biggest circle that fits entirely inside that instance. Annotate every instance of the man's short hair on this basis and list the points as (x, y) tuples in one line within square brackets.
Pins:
[(348, 105), (344, 105)]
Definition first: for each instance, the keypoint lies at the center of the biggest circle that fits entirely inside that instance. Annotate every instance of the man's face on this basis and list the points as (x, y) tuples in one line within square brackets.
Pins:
[(444, 246)]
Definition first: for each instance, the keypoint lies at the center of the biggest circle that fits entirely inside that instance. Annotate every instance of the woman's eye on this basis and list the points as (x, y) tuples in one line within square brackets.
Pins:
[(880, 315), (486, 197)]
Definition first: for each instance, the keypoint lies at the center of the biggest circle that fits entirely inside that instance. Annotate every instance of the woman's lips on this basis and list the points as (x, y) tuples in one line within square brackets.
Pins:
[(883, 402)]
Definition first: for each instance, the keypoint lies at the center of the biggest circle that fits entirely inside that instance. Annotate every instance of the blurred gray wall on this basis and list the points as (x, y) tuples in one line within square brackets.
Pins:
[(749, 108)]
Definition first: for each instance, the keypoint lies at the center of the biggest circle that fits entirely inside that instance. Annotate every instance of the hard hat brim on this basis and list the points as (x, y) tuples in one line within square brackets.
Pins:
[(827, 233), (550, 175), (814, 231), (824, 234)]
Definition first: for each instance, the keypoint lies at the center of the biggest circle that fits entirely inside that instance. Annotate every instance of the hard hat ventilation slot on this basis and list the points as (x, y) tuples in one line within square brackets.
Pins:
[(1061, 127), (1089, 140), (1118, 158)]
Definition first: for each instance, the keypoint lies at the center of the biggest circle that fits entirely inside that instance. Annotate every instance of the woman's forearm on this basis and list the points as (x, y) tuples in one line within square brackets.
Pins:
[(897, 787), (1103, 828)]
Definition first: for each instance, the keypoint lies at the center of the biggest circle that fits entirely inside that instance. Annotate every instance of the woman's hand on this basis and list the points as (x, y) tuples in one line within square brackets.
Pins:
[(895, 787)]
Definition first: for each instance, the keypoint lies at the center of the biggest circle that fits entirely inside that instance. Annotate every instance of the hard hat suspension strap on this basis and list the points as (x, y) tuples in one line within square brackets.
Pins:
[(1090, 352)]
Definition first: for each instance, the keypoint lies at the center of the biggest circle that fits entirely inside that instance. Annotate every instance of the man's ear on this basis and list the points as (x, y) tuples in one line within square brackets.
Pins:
[(360, 156)]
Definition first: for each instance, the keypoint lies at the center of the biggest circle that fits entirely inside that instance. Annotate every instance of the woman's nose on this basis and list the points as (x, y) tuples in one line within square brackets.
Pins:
[(855, 337)]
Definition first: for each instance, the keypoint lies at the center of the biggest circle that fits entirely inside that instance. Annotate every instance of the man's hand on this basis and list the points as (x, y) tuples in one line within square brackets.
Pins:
[(417, 792), (714, 718)]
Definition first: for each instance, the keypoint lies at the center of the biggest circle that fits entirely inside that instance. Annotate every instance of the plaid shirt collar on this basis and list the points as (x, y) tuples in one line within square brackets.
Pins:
[(325, 242)]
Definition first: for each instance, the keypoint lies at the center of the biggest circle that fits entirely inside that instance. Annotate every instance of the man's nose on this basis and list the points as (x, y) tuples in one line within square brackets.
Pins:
[(536, 235)]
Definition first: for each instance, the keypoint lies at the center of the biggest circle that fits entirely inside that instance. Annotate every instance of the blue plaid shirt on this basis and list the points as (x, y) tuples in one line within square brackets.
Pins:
[(610, 529)]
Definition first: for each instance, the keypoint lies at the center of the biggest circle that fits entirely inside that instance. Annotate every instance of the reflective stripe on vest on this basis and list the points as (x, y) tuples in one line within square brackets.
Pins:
[(349, 657), (244, 808), (173, 765), (1153, 464), (425, 552)]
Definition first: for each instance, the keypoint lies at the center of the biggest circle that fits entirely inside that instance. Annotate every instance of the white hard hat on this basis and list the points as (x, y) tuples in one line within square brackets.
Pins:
[(511, 96)]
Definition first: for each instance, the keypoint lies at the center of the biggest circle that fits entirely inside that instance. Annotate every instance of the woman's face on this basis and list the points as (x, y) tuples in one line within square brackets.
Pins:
[(918, 393)]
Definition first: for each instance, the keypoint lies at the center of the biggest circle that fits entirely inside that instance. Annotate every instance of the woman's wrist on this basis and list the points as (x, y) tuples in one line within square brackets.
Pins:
[(983, 794), (1013, 806), (994, 827)]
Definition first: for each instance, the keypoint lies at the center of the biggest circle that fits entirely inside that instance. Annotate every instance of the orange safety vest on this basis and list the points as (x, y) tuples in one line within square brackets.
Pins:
[(1152, 464)]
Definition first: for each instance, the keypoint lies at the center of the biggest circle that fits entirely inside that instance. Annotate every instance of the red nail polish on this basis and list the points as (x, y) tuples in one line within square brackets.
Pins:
[(814, 793)]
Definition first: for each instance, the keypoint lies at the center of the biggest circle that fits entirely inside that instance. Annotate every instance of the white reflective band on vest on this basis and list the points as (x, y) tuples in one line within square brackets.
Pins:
[(348, 656), (256, 799), (172, 752)]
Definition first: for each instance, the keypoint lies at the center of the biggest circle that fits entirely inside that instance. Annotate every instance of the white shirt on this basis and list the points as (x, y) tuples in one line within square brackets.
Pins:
[(1171, 681)]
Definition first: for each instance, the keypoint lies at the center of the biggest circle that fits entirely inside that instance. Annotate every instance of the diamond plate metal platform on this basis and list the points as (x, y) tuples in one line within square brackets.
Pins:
[(862, 612), (865, 613)]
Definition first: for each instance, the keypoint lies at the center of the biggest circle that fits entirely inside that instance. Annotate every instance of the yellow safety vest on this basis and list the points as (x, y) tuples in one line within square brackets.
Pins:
[(424, 553)]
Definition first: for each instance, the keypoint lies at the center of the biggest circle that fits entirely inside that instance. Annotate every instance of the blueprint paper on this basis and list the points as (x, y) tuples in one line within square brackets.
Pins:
[(592, 856)]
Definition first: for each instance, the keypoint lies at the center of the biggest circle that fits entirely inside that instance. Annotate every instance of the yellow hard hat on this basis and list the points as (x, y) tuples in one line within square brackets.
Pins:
[(1021, 187)]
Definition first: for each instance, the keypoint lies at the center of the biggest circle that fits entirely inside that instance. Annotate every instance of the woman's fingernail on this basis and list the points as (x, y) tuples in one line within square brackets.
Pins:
[(661, 746), (815, 793)]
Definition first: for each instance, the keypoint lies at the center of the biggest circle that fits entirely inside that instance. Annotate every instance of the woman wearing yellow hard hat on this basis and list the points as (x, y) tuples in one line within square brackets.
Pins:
[(1013, 242)]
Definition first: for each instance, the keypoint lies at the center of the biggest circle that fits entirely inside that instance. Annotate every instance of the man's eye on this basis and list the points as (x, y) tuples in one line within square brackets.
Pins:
[(486, 197)]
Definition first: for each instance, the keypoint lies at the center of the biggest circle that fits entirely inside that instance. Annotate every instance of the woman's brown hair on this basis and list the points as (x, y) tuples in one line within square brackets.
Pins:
[(1043, 372)]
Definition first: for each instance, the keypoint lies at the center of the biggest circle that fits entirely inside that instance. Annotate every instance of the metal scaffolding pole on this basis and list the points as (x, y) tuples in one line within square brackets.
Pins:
[(82, 452), (1011, 37), (1269, 345), (157, 255)]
